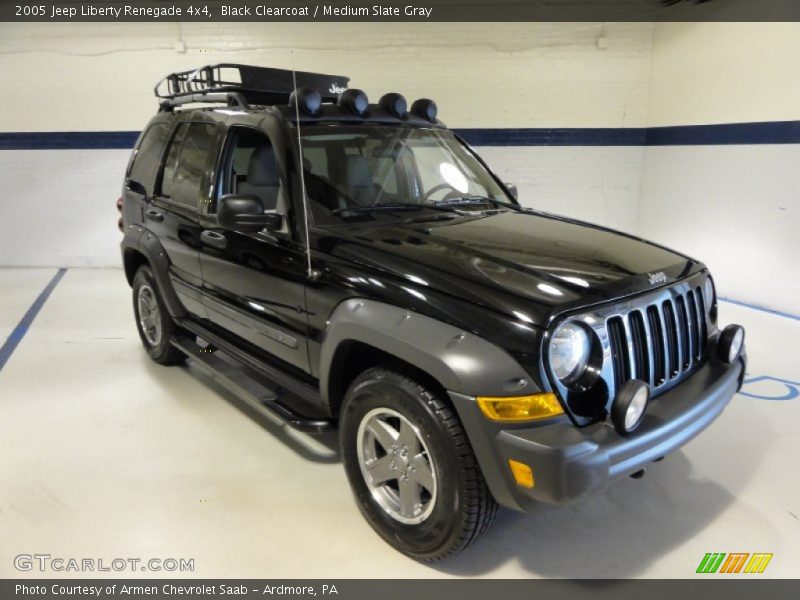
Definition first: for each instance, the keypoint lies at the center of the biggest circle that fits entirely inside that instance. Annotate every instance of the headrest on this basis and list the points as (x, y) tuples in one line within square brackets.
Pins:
[(262, 169), (358, 174)]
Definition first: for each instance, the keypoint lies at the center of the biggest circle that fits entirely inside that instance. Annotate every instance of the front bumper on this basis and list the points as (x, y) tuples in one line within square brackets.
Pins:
[(570, 463)]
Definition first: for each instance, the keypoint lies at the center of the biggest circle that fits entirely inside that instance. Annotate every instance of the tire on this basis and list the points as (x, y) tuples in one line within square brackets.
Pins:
[(157, 326), (444, 504)]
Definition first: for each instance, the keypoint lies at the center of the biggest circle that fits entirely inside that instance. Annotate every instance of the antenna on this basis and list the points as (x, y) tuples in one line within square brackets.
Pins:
[(311, 274)]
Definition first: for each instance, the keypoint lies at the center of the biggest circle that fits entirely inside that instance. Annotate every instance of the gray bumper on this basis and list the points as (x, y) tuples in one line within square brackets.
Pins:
[(570, 463)]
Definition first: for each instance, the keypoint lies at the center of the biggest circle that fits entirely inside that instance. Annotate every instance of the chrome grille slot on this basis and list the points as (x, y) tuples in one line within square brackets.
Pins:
[(701, 310), (657, 345), (694, 325), (673, 357), (683, 324), (618, 340), (641, 349)]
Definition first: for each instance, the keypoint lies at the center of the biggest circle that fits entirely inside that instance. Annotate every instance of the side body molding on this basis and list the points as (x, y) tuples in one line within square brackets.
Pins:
[(460, 361)]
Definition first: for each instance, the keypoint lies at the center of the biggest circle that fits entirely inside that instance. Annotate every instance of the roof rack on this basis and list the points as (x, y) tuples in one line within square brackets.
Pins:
[(242, 85)]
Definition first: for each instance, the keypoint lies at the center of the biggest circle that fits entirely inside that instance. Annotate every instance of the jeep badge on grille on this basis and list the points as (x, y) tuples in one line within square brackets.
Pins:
[(657, 277)]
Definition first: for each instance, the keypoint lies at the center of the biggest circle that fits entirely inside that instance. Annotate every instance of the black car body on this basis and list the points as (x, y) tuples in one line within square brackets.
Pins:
[(465, 293)]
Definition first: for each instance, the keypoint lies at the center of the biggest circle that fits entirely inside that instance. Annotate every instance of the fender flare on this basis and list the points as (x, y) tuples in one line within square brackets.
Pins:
[(148, 245), (460, 361)]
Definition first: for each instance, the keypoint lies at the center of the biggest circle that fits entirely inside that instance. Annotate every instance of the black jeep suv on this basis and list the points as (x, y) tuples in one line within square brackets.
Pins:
[(357, 266)]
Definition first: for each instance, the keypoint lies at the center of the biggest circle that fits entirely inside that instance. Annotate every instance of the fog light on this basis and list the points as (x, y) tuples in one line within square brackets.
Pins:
[(522, 473), (630, 406), (731, 342), (520, 408)]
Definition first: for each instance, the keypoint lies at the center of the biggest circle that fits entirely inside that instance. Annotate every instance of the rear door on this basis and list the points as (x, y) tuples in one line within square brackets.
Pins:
[(182, 191)]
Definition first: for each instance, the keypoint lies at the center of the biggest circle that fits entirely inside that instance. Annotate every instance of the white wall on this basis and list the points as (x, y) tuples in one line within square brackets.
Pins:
[(725, 73), (735, 207), (481, 74), (486, 75)]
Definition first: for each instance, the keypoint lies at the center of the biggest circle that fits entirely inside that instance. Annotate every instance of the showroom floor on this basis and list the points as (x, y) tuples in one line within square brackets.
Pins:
[(106, 455)]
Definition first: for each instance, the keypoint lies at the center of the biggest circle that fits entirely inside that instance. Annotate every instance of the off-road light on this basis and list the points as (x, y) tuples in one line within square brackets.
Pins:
[(522, 473), (629, 406), (354, 100), (569, 352), (309, 101), (395, 104), (730, 343), (520, 408), (425, 108)]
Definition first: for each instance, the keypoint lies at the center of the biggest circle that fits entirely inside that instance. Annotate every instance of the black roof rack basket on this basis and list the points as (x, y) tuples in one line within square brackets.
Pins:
[(243, 85)]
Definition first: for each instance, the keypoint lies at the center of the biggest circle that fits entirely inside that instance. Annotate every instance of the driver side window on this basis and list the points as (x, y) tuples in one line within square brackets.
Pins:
[(250, 167)]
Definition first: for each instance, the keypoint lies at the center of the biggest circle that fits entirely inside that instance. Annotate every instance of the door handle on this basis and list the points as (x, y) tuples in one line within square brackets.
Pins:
[(154, 215), (214, 239)]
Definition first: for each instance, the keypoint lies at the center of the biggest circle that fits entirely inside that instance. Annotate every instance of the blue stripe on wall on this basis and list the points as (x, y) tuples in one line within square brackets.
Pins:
[(621, 136), (69, 140), (771, 132)]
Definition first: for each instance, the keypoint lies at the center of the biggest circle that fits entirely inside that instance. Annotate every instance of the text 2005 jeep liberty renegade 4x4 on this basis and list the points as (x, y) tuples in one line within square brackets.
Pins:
[(357, 266)]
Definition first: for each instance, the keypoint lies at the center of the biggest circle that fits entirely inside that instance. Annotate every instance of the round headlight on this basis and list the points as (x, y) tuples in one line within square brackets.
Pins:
[(708, 292), (569, 352)]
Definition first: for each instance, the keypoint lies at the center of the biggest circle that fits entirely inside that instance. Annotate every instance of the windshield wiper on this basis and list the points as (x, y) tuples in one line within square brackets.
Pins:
[(390, 206), (474, 201), (377, 206)]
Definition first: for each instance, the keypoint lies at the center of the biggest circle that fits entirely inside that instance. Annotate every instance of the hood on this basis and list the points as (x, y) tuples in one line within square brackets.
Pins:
[(515, 261)]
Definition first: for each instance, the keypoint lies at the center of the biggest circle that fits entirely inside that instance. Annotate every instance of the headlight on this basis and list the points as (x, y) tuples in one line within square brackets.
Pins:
[(569, 352), (708, 292)]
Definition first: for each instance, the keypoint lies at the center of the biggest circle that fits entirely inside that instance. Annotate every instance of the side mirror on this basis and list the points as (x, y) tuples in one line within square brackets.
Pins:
[(512, 189), (245, 213)]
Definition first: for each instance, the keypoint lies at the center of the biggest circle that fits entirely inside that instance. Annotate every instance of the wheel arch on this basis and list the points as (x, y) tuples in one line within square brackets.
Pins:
[(362, 333), (353, 357), (147, 250), (132, 259)]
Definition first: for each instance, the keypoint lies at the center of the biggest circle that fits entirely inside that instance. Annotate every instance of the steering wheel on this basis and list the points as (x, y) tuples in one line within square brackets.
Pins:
[(440, 187)]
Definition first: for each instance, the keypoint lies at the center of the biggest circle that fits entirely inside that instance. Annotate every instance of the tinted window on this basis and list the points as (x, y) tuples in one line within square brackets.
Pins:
[(188, 162), (250, 168), (171, 163), (147, 156)]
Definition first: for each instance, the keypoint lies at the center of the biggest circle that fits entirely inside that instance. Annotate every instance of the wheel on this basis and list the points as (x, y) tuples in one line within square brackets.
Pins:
[(153, 321), (411, 467)]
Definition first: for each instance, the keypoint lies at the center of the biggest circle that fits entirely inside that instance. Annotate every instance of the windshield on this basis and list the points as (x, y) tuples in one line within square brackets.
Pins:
[(358, 172)]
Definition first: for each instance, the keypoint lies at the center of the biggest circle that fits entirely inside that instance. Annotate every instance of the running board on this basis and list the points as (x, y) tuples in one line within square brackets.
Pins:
[(255, 393)]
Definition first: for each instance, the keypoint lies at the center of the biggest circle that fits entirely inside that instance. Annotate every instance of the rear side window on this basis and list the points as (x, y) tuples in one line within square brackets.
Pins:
[(187, 168), (146, 158)]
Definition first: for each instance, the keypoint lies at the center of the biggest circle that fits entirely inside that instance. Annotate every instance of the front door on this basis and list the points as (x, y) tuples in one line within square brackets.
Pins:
[(254, 283)]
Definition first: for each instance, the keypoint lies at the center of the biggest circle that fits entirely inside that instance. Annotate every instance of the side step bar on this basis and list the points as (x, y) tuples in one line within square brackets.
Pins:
[(258, 394), (271, 373)]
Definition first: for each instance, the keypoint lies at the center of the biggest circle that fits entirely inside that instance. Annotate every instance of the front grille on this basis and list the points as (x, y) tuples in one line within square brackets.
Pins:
[(658, 342)]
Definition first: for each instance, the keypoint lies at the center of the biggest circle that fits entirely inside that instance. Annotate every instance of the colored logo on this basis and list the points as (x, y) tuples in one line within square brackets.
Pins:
[(735, 562)]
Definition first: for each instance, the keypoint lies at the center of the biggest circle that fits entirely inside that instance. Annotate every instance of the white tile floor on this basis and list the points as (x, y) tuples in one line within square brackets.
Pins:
[(105, 455)]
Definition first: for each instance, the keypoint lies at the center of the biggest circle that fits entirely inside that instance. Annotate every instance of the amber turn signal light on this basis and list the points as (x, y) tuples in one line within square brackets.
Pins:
[(522, 473), (520, 408)]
